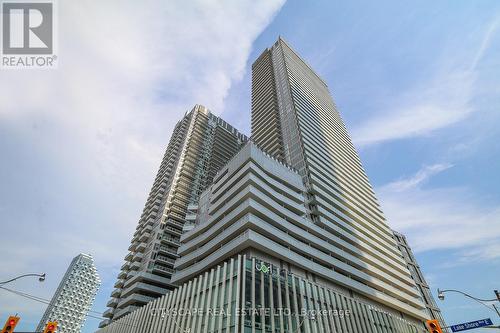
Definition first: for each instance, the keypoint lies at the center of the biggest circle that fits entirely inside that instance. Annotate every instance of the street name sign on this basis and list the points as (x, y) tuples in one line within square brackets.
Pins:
[(472, 324)]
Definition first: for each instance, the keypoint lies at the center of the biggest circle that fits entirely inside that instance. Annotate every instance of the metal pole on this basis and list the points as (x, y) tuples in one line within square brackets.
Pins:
[(41, 278), (479, 300), (465, 294), (498, 313)]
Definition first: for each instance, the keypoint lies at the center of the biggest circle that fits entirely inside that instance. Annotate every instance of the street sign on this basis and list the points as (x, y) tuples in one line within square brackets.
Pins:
[(472, 324)]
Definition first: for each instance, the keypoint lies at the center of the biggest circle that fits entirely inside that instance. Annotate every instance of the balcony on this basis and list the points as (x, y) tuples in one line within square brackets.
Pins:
[(138, 256), (142, 288), (112, 303), (165, 260), (170, 240), (129, 256), (172, 222), (167, 250), (152, 203), (122, 312), (104, 323), (132, 246), (122, 275), (108, 313), (125, 266), (173, 230), (151, 215), (135, 266), (144, 237), (116, 292), (192, 207), (119, 283), (135, 299), (141, 247), (163, 269)]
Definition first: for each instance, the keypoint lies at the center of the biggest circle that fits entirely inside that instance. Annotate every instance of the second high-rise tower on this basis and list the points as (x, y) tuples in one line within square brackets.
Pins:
[(295, 119)]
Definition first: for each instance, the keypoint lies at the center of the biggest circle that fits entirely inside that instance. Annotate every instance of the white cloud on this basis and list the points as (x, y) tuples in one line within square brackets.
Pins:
[(443, 100), (417, 179), (442, 218), (485, 43), (437, 104), (489, 250), (85, 139), (127, 74)]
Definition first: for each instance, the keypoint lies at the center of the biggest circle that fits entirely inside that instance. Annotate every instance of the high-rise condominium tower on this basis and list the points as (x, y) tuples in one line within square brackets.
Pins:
[(74, 296), (289, 237), (200, 145), (295, 119)]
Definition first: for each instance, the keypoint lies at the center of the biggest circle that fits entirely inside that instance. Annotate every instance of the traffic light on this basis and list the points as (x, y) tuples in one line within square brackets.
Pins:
[(50, 327), (10, 324), (433, 326)]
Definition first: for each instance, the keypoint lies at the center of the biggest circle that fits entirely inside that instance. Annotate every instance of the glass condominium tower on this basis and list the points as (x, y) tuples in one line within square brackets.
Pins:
[(295, 119), (200, 145), (74, 296)]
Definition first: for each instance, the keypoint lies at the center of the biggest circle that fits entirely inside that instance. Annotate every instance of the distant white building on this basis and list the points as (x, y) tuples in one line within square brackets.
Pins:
[(74, 296)]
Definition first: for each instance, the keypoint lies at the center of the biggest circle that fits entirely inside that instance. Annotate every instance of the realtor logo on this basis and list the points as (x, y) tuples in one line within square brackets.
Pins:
[(27, 28), (28, 34)]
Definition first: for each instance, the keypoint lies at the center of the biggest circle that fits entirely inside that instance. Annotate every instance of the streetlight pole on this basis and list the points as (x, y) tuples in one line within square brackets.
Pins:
[(496, 309), (479, 300), (41, 278)]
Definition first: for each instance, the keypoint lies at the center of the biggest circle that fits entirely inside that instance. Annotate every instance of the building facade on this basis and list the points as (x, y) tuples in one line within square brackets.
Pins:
[(73, 297), (308, 133), (289, 237), (248, 263), (226, 299), (200, 145), (417, 275)]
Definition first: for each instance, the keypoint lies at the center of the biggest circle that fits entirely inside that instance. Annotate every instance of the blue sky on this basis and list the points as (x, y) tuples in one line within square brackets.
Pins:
[(418, 86)]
